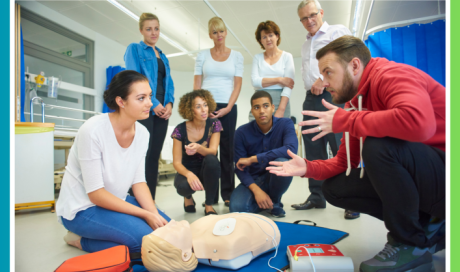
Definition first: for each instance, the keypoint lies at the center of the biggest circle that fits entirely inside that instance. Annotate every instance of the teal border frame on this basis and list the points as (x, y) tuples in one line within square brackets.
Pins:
[(5, 9)]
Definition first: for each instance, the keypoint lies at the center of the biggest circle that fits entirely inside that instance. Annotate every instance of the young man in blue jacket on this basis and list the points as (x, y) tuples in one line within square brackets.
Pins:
[(256, 143)]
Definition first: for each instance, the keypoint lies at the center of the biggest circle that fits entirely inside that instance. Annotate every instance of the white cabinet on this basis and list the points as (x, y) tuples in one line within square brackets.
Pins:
[(34, 165)]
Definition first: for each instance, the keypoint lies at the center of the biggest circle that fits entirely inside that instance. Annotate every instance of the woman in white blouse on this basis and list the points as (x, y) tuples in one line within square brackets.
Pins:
[(273, 71), (106, 159), (220, 71)]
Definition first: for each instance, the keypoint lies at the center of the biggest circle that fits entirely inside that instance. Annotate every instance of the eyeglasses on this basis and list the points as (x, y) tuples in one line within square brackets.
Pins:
[(312, 16)]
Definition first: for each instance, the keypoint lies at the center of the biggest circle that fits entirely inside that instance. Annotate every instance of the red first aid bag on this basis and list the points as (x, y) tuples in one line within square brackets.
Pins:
[(115, 259)]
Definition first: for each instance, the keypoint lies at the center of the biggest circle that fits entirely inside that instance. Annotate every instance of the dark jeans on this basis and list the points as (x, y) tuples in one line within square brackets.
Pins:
[(404, 185), (102, 229), (157, 127), (208, 173), (227, 136), (243, 199), (317, 150)]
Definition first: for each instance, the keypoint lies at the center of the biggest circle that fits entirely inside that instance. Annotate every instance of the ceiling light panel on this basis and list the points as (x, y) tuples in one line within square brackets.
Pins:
[(181, 29)]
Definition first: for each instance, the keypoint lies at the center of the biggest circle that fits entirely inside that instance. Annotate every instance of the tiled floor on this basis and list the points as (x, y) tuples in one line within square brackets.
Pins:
[(39, 246)]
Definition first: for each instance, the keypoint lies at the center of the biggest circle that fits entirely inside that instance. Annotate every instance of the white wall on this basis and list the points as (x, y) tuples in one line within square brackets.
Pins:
[(106, 51), (110, 53)]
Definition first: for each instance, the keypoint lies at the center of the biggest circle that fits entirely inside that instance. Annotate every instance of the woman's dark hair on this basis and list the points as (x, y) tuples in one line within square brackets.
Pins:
[(120, 86)]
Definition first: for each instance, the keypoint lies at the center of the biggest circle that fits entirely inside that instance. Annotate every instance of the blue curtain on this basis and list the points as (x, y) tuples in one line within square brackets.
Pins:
[(422, 46), (110, 72)]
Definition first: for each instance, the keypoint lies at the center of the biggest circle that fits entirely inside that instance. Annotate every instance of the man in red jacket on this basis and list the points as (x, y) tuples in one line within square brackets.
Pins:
[(395, 117)]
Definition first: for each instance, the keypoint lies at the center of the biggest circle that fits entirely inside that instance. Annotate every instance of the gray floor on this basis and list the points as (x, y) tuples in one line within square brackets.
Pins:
[(39, 246)]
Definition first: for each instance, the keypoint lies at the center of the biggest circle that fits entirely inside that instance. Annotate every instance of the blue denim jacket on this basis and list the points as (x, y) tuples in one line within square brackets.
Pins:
[(141, 58)]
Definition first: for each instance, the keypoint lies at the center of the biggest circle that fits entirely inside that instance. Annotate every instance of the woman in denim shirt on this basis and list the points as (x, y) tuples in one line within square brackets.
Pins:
[(149, 60)]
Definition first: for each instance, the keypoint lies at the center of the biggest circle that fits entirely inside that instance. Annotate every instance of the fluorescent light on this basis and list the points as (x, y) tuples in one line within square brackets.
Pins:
[(173, 43), (135, 17), (125, 10), (356, 17)]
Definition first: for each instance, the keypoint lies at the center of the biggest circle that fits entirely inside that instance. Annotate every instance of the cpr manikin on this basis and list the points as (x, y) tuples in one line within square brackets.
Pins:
[(232, 240), (169, 248)]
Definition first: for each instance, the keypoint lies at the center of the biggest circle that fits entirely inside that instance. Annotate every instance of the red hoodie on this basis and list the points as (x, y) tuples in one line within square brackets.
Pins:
[(399, 101)]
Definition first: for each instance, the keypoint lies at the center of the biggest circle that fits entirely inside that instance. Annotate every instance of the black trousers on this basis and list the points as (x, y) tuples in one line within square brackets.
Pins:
[(404, 185), (227, 137), (208, 173), (317, 150), (157, 127)]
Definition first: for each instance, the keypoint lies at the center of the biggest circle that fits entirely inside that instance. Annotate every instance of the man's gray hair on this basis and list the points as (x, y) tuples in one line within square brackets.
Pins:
[(306, 2)]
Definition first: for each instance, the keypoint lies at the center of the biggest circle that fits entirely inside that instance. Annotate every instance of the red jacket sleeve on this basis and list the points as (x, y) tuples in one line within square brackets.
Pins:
[(324, 169)]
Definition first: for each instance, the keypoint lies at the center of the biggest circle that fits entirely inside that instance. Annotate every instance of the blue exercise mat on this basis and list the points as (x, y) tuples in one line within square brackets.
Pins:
[(291, 234)]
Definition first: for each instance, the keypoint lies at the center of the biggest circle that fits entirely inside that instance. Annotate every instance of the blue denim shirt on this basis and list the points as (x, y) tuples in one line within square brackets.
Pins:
[(141, 58), (250, 141)]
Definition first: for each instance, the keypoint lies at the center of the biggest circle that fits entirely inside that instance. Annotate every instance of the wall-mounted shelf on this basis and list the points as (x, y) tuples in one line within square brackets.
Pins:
[(66, 86)]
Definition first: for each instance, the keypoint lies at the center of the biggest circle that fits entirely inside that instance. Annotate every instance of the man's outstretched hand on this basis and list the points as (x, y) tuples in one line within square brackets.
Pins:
[(324, 120), (294, 167)]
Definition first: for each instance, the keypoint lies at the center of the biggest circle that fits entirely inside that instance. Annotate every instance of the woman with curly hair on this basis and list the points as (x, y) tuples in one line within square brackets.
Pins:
[(195, 150)]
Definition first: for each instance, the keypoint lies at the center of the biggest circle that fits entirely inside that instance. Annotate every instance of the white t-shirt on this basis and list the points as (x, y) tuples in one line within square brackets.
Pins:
[(326, 34), (96, 161), (218, 76), (284, 67)]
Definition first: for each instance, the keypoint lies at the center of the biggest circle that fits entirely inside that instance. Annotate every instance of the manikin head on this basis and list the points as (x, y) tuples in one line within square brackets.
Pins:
[(169, 248), (342, 63)]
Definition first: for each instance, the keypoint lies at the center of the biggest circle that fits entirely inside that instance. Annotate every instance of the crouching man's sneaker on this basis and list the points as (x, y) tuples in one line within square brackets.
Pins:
[(396, 257)]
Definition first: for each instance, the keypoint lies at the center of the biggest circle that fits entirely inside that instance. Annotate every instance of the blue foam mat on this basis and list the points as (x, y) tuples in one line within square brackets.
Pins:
[(291, 234)]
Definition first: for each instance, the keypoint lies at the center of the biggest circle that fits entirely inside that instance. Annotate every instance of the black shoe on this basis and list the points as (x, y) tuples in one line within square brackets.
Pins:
[(227, 203), (212, 203), (190, 208), (208, 213), (307, 205), (349, 214)]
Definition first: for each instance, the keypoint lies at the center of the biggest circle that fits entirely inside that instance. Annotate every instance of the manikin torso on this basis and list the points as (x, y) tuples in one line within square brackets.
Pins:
[(233, 240)]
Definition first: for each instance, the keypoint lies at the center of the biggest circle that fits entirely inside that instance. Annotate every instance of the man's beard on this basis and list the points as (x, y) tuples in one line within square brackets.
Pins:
[(347, 91)]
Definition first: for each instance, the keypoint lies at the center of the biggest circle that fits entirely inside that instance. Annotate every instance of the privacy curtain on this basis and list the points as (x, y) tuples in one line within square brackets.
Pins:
[(420, 45), (110, 72)]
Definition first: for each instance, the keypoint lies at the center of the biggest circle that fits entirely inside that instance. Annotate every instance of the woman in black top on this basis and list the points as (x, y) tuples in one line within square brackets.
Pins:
[(195, 149)]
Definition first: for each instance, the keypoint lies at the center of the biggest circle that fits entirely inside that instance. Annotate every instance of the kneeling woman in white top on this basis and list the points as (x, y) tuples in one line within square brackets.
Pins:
[(106, 159), (273, 71)]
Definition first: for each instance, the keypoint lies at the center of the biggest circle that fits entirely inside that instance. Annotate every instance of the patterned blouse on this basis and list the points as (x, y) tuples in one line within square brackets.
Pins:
[(180, 133)]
